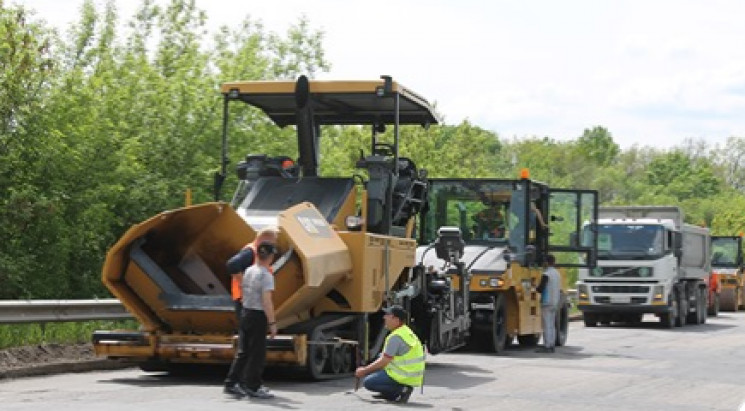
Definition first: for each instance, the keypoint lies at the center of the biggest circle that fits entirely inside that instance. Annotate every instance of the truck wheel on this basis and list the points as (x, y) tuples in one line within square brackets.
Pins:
[(714, 308), (702, 303), (318, 356), (680, 318), (695, 316), (668, 319), (727, 300), (562, 325), (591, 320), (497, 338)]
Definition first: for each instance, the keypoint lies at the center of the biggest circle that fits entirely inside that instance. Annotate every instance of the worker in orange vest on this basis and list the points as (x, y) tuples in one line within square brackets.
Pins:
[(238, 263)]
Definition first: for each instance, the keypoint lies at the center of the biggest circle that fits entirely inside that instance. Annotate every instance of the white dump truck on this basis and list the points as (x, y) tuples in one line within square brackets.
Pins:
[(649, 261)]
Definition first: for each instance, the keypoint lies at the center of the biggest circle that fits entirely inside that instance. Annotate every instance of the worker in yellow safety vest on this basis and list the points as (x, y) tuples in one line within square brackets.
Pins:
[(400, 367)]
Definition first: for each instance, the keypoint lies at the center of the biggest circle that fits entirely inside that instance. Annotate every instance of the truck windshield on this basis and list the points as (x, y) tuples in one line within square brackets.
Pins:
[(630, 242), (485, 211), (724, 252)]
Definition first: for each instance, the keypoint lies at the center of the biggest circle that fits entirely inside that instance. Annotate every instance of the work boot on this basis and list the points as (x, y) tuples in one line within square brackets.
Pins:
[(235, 389), (260, 393), (403, 398)]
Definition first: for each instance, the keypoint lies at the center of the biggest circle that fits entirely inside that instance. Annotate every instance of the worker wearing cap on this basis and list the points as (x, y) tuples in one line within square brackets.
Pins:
[(257, 318), (238, 263), (400, 367)]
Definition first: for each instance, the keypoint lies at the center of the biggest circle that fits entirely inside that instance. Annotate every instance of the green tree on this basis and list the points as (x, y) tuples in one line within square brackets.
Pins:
[(597, 145), (28, 219), (117, 129), (680, 176)]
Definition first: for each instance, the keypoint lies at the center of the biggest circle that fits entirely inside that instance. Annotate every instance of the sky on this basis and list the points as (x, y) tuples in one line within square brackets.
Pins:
[(653, 72)]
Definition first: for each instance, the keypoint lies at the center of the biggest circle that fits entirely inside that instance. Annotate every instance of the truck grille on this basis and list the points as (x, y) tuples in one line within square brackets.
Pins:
[(632, 300), (623, 272), (620, 289)]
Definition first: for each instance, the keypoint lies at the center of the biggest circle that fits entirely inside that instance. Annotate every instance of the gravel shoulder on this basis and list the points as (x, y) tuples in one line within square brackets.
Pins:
[(46, 359)]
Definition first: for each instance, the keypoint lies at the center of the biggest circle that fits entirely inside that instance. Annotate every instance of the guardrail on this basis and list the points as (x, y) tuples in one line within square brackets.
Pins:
[(40, 311)]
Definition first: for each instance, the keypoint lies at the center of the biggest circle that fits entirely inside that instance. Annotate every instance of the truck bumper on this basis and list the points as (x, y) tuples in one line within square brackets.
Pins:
[(623, 308)]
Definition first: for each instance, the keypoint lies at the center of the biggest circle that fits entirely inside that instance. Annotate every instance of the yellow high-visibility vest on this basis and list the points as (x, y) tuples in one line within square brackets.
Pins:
[(407, 369)]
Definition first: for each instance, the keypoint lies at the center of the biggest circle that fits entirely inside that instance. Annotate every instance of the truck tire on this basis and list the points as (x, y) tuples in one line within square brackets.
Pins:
[(669, 319), (562, 325), (737, 299), (714, 308), (703, 303), (497, 337), (695, 316), (680, 318), (591, 320), (728, 300)]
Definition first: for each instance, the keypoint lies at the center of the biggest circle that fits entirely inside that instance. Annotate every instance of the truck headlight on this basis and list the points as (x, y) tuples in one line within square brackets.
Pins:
[(582, 292), (658, 293), (496, 282)]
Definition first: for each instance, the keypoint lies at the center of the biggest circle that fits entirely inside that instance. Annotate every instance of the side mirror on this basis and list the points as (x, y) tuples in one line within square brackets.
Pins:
[(593, 258), (677, 244)]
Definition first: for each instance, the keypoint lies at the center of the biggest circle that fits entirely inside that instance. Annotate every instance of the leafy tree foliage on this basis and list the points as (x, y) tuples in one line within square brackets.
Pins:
[(597, 145), (105, 127), (681, 176), (117, 129)]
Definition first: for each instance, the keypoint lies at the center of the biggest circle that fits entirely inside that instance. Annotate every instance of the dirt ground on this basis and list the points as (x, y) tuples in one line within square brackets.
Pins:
[(48, 359)]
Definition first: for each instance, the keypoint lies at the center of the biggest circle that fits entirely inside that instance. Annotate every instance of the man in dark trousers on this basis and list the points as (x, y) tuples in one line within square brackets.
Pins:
[(400, 367), (257, 318), (550, 289)]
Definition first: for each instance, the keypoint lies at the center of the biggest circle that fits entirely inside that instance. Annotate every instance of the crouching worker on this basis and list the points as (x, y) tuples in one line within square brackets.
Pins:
[(400, 367)]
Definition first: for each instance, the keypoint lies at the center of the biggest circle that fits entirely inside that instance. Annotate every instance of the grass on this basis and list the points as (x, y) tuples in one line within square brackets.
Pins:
[(15, 335)]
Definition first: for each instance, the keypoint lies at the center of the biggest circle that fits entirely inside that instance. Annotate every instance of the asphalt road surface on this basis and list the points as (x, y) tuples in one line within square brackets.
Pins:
[(604, 368)]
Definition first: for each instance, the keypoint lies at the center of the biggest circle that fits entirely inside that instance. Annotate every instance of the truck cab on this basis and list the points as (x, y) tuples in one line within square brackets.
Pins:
[(649, 261)]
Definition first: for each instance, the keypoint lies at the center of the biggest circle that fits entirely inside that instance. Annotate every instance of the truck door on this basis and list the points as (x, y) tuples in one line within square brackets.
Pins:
[(572, 217)]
